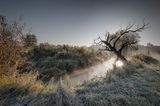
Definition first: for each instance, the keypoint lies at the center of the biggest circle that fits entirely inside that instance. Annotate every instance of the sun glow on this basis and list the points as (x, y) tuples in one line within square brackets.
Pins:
[(119, 63)]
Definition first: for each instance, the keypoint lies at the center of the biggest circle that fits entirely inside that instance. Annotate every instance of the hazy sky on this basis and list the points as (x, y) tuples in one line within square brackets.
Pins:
[(78, 22)]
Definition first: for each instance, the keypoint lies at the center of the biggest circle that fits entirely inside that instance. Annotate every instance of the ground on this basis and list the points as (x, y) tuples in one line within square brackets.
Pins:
[(136, 84)]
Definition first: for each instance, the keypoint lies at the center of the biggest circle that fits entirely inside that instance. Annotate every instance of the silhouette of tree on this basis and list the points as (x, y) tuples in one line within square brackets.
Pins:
[(121, 40)]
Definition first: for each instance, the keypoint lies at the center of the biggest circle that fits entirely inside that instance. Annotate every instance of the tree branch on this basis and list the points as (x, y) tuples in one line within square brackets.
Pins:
[(127, 44), (128, 29)]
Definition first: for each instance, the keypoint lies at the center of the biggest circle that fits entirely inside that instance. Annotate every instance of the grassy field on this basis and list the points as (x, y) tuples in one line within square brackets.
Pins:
[(137, 84)]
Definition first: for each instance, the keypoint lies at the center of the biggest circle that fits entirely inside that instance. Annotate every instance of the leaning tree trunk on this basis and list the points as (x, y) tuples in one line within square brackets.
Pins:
[(120, 56)]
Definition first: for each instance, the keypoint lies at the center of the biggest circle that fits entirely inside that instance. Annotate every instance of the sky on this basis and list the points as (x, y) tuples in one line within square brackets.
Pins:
[(79, 22)]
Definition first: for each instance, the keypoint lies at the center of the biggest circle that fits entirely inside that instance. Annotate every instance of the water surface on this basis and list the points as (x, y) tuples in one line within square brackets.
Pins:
[(79, 76)]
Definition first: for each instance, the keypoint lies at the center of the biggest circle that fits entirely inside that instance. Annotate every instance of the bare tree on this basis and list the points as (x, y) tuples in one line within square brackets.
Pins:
[(121, 40)]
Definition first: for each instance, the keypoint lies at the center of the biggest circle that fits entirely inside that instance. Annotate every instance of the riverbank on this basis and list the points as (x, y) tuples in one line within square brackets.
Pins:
[(78, 77), (137, 84), (56, 60)]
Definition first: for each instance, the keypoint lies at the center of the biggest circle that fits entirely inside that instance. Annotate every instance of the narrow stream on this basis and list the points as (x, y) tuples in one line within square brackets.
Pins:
[(79, 76)]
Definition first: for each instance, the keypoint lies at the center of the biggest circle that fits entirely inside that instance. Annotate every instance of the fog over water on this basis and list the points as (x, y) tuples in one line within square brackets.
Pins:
[(79, 76)]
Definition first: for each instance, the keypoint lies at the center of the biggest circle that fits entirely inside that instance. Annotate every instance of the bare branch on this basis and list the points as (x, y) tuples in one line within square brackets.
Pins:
[(117, 42), (108, 35), (126, 44), (129, 26), (113, 37), (128, 29)]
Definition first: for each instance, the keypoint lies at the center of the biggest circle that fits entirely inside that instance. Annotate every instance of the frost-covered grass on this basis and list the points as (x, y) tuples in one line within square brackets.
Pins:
[(137, 84), (60, 97)]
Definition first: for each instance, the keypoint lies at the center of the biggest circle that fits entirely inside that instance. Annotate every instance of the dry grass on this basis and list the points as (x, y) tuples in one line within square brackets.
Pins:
[(23, 80), (14, 89)]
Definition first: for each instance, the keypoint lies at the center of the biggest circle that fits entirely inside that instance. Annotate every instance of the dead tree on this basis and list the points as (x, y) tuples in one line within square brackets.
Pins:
[(121, 40)]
